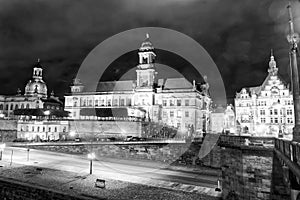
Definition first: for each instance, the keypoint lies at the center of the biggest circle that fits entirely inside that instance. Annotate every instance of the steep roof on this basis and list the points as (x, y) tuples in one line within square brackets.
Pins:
[(175, 83), (109, 86)]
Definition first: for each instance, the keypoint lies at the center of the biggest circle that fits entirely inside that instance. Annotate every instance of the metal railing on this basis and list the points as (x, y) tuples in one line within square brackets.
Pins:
[(289, 153)]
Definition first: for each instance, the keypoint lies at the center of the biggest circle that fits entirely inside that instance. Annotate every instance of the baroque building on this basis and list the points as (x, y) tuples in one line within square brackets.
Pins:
[(35, 96), (174, 102), (266, 110), (37, 115)]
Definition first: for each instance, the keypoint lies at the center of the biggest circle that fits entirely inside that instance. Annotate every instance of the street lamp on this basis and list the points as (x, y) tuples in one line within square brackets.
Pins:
[(2, 146), (293, 39), (91, 156), (47, 113)]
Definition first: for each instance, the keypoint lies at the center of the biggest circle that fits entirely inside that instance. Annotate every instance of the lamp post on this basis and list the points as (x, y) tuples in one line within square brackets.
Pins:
[(2, 146), (47, 113), (91, 156), (293, 39)]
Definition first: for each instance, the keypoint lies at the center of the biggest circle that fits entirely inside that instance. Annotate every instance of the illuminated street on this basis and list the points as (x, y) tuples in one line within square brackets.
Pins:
[(125, 171)]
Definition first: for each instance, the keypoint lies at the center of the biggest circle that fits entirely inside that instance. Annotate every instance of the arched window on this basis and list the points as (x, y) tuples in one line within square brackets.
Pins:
[(11, 106), (55, 129), (38, 129), (6, 107), (1, 106), (22, 106), (17, 106), (27, 106)]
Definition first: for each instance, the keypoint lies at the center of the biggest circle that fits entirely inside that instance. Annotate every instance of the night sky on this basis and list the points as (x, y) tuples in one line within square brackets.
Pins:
[(238, 35)]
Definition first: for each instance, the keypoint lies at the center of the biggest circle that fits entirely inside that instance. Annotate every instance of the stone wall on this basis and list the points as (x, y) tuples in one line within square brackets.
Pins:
[(248, 173), (12, 189), (8, 130), (88, 128)]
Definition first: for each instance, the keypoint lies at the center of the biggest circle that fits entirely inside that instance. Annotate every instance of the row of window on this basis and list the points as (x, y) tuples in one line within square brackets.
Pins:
[(276, 120), (179, 114), (109, 102), (263, 103), (275, 112), (41, 129), (177, 102), (13, 106)]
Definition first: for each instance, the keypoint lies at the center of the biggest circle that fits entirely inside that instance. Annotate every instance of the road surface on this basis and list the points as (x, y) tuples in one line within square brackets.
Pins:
[(125, 171)]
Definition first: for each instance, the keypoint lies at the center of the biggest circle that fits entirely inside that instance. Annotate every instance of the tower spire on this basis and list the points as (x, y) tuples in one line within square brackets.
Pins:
[(272, 64)]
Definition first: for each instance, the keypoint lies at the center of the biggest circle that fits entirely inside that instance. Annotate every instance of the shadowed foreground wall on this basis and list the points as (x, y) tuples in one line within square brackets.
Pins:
[(12, 189)]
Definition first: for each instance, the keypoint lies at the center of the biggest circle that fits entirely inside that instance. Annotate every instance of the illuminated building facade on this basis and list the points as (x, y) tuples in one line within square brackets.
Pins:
[(172, 101), (266, 110)]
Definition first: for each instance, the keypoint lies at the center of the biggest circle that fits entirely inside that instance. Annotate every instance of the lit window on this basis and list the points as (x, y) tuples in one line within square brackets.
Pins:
[(164, 114), (289, 112), (179, 113), (187, 113), (164, 102), (187, 102), (178, 102), (171, 113), (122, 102)]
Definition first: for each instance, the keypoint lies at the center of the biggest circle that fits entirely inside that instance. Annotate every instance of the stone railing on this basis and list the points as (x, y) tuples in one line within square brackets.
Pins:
[(246, 141)]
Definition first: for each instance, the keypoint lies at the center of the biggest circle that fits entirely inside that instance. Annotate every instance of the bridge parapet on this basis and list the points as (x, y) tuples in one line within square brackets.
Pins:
[(289, 152), (246, 141)]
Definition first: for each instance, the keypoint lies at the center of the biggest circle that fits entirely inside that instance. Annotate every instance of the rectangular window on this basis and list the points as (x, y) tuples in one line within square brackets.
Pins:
[(178, 113), (122, 102), (164, 114), (271, 120), (115, 102), (128, 102), (178, 125), (171, 113), (263, 120), (187, 102), (271, 112), (96, 102), (171, 103), (109, 102), (178, 102), (289, 112), (164, 102), (275, 112), (262, 112), (276, 120), (289, 120), (187, 113), (102, 102)]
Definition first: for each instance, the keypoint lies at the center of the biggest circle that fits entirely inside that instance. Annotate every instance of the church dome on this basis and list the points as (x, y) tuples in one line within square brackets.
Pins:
[(36, 86), (146, 45)]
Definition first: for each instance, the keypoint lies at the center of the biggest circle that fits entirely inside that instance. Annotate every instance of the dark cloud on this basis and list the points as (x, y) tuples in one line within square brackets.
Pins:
[(237, 34)]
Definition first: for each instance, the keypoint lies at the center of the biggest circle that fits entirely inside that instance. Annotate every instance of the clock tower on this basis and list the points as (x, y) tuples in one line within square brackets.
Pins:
[(146, 70)]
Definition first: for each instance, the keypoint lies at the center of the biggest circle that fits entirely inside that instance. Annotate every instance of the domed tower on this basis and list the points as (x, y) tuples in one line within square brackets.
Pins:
[(145, 70), (36, 86)]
